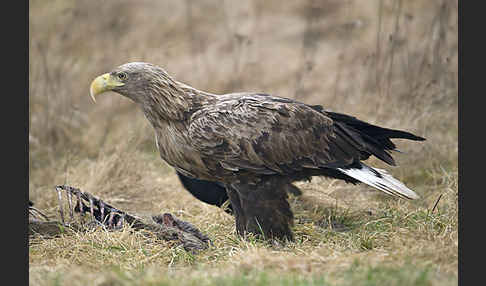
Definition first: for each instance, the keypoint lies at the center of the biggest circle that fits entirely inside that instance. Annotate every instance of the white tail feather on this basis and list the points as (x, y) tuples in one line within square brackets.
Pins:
[(386, 183)]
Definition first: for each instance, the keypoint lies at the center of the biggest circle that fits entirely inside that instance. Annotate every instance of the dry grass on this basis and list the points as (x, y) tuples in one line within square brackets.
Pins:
[(388, 62)]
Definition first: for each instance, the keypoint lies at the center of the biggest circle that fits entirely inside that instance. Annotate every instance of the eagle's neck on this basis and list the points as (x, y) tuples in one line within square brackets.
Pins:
[(172, 102)]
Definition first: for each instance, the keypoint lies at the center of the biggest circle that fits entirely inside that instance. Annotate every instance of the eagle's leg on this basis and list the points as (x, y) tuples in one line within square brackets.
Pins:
[(265, 209), (237, 209)]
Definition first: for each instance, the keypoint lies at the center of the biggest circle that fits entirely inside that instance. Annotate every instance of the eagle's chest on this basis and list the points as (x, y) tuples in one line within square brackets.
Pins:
[(177, 151), (171, 144)]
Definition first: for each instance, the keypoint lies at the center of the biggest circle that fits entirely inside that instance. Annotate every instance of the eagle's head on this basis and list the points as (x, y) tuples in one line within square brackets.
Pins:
[(135, 80)]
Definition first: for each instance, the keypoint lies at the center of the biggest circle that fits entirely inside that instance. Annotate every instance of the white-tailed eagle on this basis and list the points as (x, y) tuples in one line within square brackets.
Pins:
[(255, 144)]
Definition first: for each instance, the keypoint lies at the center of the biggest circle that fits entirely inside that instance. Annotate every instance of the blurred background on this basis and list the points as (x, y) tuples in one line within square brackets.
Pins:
[(392, 63)]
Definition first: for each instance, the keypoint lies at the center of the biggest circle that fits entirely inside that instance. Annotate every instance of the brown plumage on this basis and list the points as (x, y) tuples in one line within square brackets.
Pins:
[(256, 144)]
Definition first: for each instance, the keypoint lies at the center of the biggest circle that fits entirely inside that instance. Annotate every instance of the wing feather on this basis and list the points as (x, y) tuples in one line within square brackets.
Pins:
[(264, 135)]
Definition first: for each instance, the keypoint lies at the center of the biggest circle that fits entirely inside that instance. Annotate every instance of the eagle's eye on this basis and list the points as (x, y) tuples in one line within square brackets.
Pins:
[(122, 75)]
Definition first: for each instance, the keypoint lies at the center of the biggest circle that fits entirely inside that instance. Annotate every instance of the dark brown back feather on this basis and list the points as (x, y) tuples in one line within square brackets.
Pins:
[(377, 139), (266, 135)]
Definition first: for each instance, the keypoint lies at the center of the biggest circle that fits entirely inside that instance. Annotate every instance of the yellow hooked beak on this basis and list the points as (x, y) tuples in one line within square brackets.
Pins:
[(103, 83)]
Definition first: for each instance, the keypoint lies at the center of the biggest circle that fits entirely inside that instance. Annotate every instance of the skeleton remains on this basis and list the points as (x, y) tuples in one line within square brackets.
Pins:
[(164, 226)]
